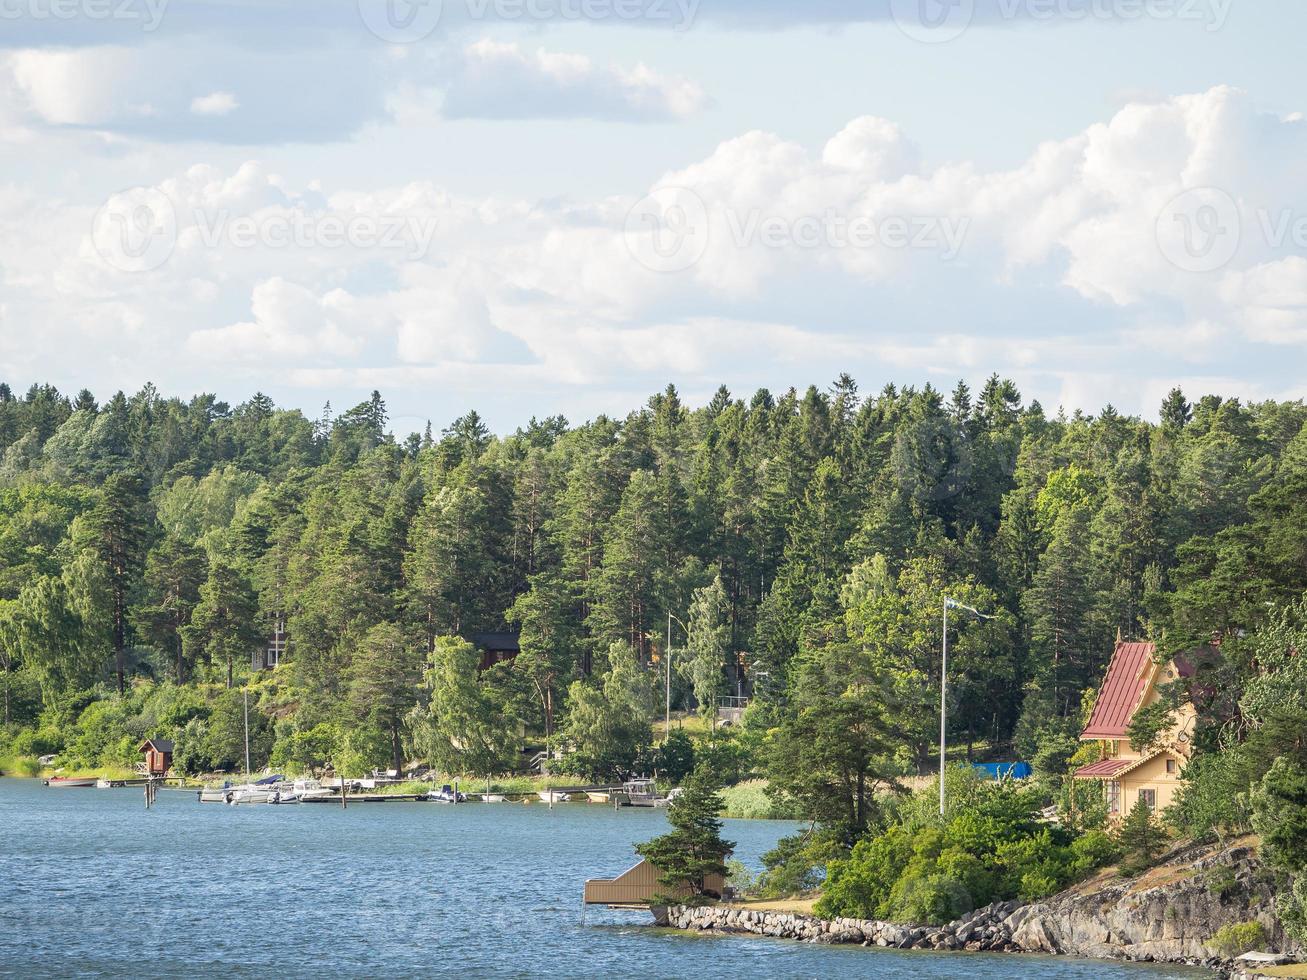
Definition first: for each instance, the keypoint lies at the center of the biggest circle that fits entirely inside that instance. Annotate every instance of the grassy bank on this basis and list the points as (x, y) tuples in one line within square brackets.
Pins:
[(749, 801), (19, 765)]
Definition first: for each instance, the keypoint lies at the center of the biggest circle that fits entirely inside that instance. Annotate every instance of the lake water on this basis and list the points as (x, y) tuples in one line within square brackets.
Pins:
[(93, 884)]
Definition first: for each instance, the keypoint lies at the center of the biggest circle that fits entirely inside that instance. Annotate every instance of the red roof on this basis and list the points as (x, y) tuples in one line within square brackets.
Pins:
[(1104, 769), (1121, 691)]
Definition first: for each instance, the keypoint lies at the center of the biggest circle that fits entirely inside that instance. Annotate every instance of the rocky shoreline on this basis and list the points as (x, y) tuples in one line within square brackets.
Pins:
[(1167, 915)]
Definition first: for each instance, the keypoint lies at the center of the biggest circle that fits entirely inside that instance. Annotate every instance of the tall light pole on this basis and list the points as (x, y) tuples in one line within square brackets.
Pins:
[(943, 691)]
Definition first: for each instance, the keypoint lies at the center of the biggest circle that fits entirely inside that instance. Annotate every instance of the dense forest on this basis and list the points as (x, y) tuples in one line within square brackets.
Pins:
[(797, 549)]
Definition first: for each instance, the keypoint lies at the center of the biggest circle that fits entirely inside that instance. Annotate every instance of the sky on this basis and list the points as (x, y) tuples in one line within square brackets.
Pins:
[(538, 207)]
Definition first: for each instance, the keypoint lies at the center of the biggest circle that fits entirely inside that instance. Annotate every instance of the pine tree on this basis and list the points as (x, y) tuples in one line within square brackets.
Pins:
[(383, 683), (174, 572), (1140, 838), (117, 532), (223, 626), (694, 851)]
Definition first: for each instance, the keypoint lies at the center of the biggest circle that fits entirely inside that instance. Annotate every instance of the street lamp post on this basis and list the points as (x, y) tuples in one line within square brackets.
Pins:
[(943, 691)]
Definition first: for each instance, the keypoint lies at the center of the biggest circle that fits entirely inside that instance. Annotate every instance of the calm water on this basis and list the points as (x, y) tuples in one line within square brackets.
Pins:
[(91, 883)]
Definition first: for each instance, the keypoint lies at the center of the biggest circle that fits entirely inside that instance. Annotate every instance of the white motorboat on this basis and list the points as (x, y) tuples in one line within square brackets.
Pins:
[(259, 791), (218, 794), (492, 797), (310, 789), (552, 796), (446, 794)]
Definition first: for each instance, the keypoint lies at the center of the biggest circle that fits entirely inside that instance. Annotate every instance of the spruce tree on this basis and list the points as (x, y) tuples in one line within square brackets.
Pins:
[(694, 850)]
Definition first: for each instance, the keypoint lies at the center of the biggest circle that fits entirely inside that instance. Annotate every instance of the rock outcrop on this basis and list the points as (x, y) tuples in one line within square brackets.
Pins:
[(1167, 915)]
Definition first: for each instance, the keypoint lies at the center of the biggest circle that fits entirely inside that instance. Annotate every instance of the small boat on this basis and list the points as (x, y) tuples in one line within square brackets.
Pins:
[(308, 789), (218, 794), (552, 796), (446, 794), (642, 792), (71, 782), (283, 797), (492, 797), (259, 791), (599, 796)]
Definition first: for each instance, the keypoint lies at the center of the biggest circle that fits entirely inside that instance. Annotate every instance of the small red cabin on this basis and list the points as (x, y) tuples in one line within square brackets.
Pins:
[(158, 756)]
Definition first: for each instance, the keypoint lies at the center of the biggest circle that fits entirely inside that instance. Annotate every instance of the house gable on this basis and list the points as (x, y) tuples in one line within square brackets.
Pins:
[(1128, 680)]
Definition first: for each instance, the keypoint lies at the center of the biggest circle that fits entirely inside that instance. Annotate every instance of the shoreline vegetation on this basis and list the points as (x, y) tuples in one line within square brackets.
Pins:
[(773, 568)]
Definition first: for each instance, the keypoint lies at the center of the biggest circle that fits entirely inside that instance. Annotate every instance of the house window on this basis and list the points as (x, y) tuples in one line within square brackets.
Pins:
[(1149, 796), (277, 644), (1170, 767), (1113, 796)]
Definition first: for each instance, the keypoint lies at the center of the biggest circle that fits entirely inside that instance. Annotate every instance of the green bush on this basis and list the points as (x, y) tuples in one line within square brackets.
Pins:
[(1221, 882), (989, 848), (19, 765), (37, 742), (1092, 850), (796, 864), (302, 751), (933, 899), (1238, 938)]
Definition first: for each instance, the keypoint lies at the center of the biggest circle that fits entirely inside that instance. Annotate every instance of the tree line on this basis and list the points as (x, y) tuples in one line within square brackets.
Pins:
[(799, 545)]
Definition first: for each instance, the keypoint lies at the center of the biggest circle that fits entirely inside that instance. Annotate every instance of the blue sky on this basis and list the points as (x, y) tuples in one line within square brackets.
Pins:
[(1099, 198)]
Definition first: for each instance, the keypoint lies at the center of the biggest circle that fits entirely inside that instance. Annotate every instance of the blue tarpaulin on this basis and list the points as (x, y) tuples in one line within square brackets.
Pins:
[(1004, 770)]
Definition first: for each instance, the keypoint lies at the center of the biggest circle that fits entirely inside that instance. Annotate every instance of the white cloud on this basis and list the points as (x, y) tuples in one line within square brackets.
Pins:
[(494, 80), (1060, 281), (288, 321), (214, 104)]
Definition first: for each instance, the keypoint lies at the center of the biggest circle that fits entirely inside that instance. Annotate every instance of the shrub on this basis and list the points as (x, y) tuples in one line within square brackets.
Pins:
[(930, 900), (1238, 938), (21, 765), (796, 864), (1221, 882), (1092, 850), (307, 750), (37, 742), (989, 849)]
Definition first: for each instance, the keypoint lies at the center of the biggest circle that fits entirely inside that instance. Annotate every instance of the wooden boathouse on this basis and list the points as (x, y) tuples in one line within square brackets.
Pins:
[(637, 886), (158, 756)]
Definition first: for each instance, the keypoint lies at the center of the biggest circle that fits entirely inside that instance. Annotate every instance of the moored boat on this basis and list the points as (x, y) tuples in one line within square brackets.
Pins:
[(642, 792), (552, 796), (492, 797), (598, 796), (446, 794), (218, 794), (71, 782)]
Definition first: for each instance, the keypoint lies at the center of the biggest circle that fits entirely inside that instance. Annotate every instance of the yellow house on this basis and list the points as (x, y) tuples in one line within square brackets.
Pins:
[(1132, 682)]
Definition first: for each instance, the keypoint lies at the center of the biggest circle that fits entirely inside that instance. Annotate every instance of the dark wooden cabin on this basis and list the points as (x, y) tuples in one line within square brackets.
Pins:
[(496, 648), (158, 756)]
